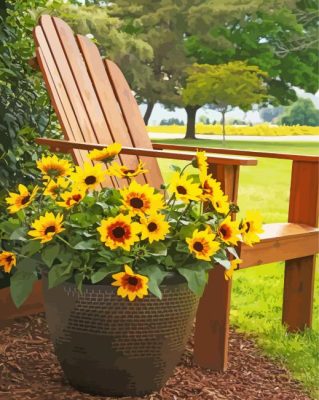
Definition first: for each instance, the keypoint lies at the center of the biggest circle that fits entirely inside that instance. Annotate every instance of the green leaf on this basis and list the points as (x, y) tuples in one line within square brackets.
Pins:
[(158, 248), (79, 281), (50, 253), (186, 231), (19, 234), (182, 247), (21, 285), (103, 272), (122, 260), (156, 277), (87, 245), (196, 279), (57, 275), (30, 248), (9, 226)]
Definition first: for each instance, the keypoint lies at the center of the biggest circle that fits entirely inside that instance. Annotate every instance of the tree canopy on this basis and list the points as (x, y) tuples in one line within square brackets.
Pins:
[(302, 112), (225, 86)]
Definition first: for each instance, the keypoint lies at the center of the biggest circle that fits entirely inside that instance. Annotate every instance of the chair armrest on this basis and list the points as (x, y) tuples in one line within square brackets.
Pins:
[(66, 146), (250, 153)]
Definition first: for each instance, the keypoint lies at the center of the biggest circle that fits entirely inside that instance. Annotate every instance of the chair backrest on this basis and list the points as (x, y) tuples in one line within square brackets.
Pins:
[(91, 96)]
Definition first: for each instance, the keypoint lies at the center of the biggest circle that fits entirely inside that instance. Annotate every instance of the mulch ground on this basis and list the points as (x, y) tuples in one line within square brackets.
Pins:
[(30, 370)]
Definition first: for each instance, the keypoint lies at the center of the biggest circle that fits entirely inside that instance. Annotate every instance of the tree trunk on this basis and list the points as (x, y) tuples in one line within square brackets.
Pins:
[(223, 123), (148, 112), (191, 118)]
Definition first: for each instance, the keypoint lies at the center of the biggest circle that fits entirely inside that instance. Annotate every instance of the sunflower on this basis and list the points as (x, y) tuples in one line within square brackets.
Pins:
[(54, 188), (119, 231), (72, 198), (20, 200), (141, 199), (250, 227), (7, 260), (228, 231), (88, 176), (184, 189), (46, 227), (154, 227), (234, 264), (201, 162), (202, 244), (130, 284), (210, 188), (52, 167), (220, 203), (121, 171), (107, 154)]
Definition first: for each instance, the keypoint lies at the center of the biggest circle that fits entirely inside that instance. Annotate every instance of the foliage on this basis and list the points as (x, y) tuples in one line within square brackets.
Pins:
[(302, 112), (172, 121), (87, 235), (225, 86), (256, 130), (24, 104), (281, 40)]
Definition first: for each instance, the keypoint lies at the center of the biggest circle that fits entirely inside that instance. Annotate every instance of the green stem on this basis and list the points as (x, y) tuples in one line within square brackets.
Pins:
[(183, 213), (64, 241)]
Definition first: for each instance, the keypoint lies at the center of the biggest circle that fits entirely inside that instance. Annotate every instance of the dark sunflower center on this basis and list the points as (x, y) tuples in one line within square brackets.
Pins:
[(9, 259), (132, 281), (25, 199), (136, 202), (76, 197), (247, 227), (49, 229), (90, 180), (225, 231), (198, 246), (152, 227), (181, 190), (128, 171), (118, 232)]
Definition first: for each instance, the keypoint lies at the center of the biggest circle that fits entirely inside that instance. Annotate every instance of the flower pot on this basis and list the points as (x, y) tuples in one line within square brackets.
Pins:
[(111, 346)]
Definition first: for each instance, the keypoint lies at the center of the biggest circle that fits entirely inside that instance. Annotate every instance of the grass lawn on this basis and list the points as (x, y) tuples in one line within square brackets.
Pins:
[(257, 292)]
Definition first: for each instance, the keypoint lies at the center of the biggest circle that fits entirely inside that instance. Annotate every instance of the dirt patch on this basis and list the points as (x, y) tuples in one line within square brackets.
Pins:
[(30, 370)]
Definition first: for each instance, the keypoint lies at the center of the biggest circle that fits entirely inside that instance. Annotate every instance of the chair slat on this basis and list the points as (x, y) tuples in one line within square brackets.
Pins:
[(110, 108), (66, 109), (133, 119)]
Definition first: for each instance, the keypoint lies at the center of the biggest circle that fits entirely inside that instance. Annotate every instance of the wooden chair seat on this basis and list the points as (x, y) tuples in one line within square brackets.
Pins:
[(281, 242)]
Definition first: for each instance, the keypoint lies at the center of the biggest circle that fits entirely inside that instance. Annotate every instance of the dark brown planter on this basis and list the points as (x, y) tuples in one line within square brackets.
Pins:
[(111, 346)]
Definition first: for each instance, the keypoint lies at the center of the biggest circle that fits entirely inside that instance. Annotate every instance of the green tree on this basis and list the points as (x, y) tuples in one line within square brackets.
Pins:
[(224, 86), (281, 40), (302, 112), (25, 110)]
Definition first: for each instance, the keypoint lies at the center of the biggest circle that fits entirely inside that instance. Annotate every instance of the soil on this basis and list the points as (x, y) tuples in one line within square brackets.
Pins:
[(30, 370)]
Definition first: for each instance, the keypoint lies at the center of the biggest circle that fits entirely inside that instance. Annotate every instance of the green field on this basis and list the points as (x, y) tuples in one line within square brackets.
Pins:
[(257, 292)]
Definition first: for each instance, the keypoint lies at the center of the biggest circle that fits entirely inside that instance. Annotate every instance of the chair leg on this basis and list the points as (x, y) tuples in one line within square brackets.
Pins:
[(298, 293), (212, 323)]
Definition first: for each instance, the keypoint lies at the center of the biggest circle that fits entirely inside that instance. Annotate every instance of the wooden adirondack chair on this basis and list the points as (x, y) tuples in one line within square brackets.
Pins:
[(95, 107)]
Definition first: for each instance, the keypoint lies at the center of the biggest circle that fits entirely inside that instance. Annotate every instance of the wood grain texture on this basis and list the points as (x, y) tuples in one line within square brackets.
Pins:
[(67, 146), (33, 305), (134, 121), (265, 154), (300, 272), (280, 242)]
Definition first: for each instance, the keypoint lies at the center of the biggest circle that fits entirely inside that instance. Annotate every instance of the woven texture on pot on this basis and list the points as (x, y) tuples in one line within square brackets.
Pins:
[(109, 345)]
